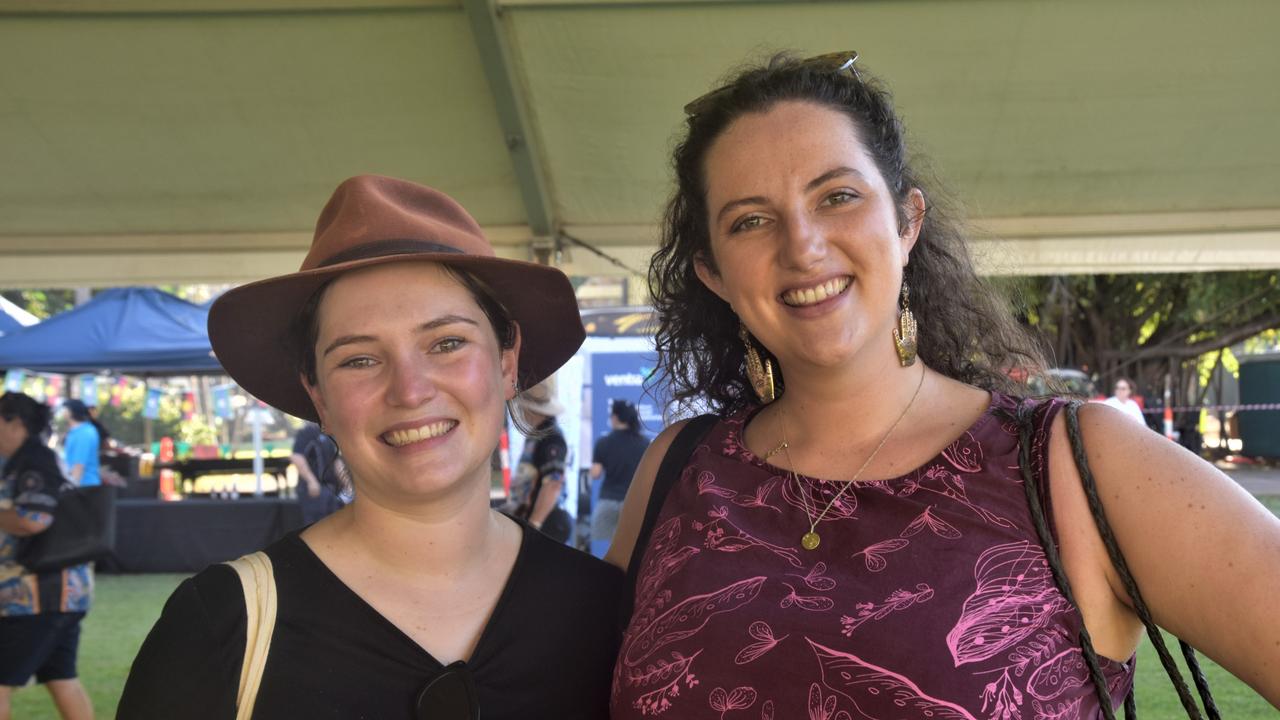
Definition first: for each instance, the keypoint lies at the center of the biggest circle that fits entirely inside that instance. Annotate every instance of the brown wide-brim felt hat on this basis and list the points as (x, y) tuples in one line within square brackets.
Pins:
[(375, 220)]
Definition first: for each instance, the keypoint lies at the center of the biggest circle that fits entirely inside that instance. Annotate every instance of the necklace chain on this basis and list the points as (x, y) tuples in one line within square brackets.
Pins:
[(811, 539)]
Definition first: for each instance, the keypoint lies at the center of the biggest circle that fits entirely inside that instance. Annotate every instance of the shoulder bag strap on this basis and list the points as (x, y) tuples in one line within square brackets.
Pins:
[(673, 463), (259, 584), (1131, 585), (1026, 414), (1025, 417)]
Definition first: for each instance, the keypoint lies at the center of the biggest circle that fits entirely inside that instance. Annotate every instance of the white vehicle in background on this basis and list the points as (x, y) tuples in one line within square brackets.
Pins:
[(1065, 381)]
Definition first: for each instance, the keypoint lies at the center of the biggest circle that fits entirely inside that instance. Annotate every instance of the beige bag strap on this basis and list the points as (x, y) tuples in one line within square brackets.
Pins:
[(259, 583)]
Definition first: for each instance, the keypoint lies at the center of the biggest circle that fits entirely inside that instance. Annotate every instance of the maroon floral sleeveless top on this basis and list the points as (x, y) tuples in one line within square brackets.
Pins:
[(928, 597)]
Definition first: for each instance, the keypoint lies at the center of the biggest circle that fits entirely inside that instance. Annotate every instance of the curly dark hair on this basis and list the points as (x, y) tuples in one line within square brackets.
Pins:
[(35, 415), (966, 330)]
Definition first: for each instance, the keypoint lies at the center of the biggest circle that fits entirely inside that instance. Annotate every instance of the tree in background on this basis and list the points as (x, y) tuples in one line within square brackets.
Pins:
[(42, 303), (1145, 326), (126, 423)]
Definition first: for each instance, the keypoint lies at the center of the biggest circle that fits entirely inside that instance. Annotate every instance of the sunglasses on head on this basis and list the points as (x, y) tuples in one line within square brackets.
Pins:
[(450, 695), (836, 62)]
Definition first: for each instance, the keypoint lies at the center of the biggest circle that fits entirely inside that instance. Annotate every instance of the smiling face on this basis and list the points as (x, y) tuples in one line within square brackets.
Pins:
[(410, 381), (805, 241)]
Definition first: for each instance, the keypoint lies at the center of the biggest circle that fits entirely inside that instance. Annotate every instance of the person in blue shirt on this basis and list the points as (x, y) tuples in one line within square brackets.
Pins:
[(83, 442)]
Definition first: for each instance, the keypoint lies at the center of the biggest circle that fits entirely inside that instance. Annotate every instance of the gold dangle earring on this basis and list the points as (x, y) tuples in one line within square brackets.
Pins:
[(759, 370), (905, 335)]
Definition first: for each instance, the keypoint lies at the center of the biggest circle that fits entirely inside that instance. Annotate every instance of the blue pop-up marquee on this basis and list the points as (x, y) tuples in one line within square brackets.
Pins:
[(130, 330)]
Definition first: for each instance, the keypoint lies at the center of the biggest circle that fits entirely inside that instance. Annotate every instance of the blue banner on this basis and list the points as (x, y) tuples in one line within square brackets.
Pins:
[(151, 408), (13, 380), (222, 401), (622, 376), (89, 390)]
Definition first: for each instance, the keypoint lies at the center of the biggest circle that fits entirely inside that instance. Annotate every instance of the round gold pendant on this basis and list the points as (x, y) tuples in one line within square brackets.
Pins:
[(810, 540)]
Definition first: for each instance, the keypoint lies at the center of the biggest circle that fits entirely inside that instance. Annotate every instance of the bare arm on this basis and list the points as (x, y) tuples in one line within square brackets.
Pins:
[(1204, 552), (23, 524), (596, 471), (305, 474), (548, 497), (633, 508), (76, 472)]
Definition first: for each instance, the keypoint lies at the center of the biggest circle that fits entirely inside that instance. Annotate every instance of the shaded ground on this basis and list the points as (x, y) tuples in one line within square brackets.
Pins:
[(1258, 480)]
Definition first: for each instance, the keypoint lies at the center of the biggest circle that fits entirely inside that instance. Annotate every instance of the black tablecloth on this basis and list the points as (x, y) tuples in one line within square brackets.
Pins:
[(188, 535), (192, 468)]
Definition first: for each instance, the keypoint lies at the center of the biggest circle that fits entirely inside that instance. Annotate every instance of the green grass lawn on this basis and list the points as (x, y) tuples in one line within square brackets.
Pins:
[(127, 605), (1272, 502), (1157, 698)]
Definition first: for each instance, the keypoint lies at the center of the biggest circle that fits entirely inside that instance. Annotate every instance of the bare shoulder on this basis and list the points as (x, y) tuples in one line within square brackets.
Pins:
[(1129, 460), (1201, 549), (633, 508)]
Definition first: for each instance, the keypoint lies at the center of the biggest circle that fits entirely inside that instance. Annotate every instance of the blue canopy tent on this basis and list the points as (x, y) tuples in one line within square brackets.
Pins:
[(13, 317), (138, 331)]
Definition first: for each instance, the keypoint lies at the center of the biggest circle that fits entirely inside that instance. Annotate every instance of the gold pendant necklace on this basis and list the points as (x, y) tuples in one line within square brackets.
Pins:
[(811, 539)]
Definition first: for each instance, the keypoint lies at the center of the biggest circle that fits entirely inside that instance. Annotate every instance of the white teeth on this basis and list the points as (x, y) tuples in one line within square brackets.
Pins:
[(400, 438), (816, 294)]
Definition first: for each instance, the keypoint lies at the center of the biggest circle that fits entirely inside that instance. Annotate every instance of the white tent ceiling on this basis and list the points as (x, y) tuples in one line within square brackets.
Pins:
[(195, 140)]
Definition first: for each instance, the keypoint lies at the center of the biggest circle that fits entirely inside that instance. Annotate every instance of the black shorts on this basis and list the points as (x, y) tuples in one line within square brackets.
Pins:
[(43, 645)]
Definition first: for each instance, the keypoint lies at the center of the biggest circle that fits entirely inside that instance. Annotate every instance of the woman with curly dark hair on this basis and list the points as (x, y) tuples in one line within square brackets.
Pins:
[(876, 523)]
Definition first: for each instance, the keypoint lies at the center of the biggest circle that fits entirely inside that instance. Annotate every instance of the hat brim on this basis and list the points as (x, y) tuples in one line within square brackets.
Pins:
[(249, 326)]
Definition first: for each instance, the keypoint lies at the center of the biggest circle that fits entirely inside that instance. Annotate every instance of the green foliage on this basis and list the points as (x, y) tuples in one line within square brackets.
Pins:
[(47, 303), (127, 425), (1146, 325), (197, 432), (42, 303), (125, 421)]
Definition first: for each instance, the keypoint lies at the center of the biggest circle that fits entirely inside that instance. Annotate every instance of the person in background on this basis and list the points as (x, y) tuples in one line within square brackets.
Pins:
[(615, 457), (40, 614), (1123, 400), (315, 456), (80, 451), (538, 481)]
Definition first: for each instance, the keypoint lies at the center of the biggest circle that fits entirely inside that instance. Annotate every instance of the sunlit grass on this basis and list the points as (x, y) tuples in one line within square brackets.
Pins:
[(125, 608)]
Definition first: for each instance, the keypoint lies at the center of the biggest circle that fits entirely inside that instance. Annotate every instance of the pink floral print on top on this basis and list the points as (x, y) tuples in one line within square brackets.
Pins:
[(929, 597)]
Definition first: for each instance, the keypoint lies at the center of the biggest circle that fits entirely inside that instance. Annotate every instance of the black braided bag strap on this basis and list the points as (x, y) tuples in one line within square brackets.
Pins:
[(1026, 428), (1131, 585), (1026, 425)]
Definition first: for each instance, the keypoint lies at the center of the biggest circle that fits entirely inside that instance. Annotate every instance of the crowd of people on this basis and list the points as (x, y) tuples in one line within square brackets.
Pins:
[(873, 519)]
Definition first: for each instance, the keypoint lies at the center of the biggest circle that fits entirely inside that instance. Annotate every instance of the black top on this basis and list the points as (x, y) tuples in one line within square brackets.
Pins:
[(547, 651), (33, 477), (320, 451), (543, 459), (619, 452), (32, 480)]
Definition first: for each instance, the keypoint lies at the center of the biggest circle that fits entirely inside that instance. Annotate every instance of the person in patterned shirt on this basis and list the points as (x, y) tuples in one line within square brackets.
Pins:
[(40, 614)]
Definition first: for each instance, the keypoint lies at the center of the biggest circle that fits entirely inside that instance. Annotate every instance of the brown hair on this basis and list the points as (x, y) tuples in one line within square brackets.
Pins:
[(305, 331)]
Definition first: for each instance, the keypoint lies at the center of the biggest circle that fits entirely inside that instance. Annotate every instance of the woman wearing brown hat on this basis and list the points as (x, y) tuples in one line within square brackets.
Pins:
[(404, 337)]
